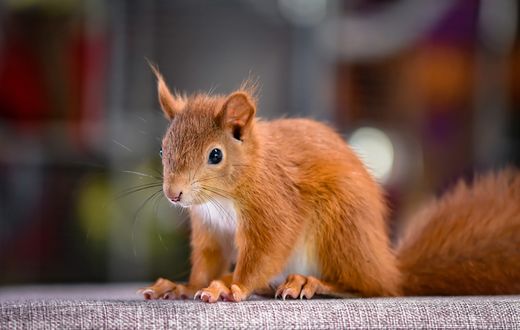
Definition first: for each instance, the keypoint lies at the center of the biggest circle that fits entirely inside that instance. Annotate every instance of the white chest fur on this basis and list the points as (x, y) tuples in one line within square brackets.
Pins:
[(303, 261), (219, 214)]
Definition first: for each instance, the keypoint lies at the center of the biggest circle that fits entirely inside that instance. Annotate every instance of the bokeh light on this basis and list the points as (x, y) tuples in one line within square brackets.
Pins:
[(375, 149)]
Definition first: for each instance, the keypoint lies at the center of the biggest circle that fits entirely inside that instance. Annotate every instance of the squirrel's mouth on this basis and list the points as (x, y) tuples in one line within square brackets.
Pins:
[(182, 204), (190, 199)]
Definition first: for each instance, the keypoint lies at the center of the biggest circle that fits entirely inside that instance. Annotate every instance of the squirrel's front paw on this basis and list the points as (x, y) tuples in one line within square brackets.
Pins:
[(165, 289), (218, 290), (239, 292)]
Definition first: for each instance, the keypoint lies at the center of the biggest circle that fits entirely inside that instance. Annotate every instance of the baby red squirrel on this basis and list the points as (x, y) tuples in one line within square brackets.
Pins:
[(294, 209)]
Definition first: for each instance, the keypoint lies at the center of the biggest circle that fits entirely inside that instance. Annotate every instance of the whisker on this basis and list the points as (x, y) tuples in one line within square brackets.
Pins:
[(156, 201), (133, 190), (141, 186), (205, 206), (183, 212), (217, 188), (143, 204), (136, 214), (196, 170), (158, 172), (223, 212), (126, 192), (122, 145), (156, 204), (210, 178), (141, 118), (142, 174), (212, 89), (162, 242), (217, 191), (218, 206)]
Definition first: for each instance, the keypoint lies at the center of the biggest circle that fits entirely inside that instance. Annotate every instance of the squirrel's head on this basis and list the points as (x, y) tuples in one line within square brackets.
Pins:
[(208, 145)]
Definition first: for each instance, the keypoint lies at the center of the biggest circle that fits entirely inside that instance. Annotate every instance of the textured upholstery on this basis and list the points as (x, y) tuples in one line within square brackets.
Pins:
[(117, 306)]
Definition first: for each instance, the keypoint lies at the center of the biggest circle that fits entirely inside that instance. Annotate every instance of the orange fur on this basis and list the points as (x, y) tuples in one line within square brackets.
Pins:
[(290, 196), (467, 242)]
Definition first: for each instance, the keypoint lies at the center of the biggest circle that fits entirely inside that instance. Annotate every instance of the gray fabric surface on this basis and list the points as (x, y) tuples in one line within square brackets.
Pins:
[(118, 307)]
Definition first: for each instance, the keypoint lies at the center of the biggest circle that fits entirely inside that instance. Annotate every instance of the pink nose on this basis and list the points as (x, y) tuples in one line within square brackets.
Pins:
[(173, 191), (176, 196)]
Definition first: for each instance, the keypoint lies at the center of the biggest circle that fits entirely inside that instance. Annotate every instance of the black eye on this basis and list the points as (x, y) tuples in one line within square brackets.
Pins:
[(160, 152), (215, 156)]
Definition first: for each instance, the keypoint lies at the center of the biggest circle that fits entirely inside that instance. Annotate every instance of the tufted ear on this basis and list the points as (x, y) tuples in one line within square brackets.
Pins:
[(171, 104), (237, 114)]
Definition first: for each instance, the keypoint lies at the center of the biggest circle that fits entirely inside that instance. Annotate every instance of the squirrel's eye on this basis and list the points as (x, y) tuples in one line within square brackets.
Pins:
[(160, 152), (215, 156)]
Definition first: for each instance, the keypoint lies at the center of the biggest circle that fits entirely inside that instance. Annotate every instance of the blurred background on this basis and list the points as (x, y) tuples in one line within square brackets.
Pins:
[(426, 92)]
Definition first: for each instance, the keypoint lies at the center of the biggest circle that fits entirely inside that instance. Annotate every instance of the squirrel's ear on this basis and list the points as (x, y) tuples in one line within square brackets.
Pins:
[(171, 104), (237, 114)]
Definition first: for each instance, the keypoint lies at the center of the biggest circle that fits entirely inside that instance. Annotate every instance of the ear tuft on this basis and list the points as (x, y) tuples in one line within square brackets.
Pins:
[(171, 104), (250, 87), (238, 113)]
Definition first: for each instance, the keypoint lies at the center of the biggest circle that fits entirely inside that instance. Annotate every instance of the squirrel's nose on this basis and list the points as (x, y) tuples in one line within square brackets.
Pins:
[(173, 190), (177, 198)]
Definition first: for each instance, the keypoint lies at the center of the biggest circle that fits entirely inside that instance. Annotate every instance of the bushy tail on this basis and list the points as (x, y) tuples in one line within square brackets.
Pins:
[(467, 242)]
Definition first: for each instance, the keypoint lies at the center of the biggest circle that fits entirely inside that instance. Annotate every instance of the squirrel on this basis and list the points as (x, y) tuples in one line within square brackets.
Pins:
[(290, 205)]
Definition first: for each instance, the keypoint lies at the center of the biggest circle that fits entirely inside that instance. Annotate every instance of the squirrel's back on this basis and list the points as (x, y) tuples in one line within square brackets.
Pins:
[(466, 242), (342, 208)]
